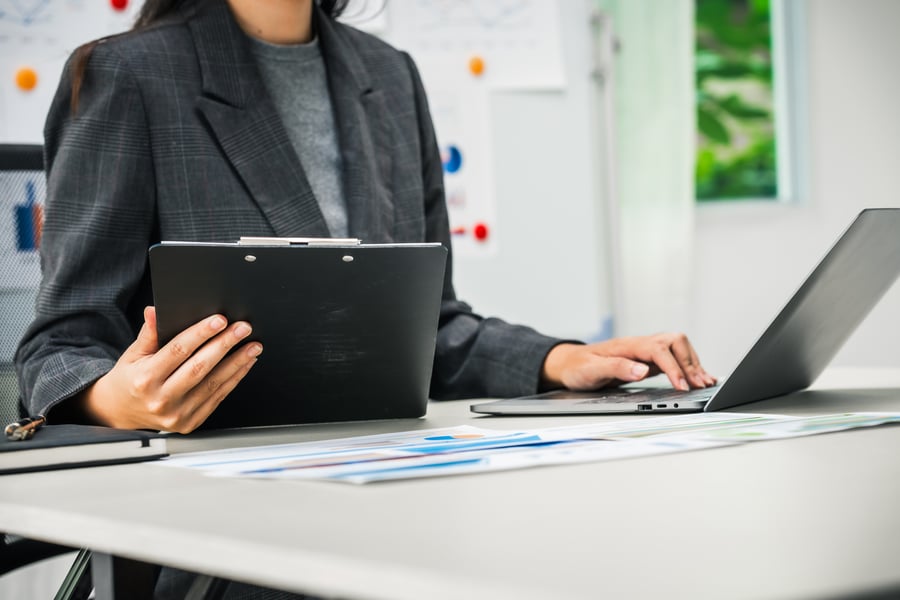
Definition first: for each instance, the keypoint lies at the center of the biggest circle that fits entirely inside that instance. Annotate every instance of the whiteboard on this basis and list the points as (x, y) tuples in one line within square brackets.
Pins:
[(38, 36)]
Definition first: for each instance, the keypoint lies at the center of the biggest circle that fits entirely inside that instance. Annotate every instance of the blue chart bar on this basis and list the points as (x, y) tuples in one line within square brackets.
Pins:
[(28, 221)]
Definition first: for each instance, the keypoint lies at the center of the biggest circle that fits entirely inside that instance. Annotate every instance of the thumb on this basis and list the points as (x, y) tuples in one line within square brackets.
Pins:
[(612, 368), (630, 370), (603, 370), (147, 342)]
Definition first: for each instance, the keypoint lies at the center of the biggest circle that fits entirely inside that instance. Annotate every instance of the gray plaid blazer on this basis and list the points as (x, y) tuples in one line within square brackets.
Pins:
[(176, 138)]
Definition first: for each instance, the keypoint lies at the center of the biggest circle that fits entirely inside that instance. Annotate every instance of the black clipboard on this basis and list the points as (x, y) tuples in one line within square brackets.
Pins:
[(348, 329)]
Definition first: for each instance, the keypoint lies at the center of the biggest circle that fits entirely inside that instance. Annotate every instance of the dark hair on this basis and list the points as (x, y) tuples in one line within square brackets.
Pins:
[(154, 11)]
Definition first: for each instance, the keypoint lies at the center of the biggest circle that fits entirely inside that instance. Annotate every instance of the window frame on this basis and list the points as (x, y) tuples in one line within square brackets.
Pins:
[(789, 86)]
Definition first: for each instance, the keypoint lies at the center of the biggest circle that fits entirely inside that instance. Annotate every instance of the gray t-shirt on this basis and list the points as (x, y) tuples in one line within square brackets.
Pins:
[(294, 76)]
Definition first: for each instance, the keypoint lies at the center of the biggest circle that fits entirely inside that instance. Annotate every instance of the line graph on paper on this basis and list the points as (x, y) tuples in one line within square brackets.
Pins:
[(22, 13), (474, 14), (32, 31), (35, 30), (454, 25), (518, 40), (36, 38)]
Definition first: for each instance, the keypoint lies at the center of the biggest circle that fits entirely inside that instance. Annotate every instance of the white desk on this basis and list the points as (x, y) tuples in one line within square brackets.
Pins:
[(815, 517)]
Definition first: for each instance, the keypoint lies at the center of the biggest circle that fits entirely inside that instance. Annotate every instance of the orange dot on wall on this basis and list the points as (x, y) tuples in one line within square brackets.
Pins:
[(476, 65), (26, 79), (119, 4)]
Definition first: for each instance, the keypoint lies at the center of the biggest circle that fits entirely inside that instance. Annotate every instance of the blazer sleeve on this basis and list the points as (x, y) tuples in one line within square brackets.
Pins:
[(475, 356), (99, 216)]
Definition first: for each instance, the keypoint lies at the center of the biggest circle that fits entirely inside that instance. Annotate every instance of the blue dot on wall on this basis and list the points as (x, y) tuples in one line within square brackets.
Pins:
[(452, 159)]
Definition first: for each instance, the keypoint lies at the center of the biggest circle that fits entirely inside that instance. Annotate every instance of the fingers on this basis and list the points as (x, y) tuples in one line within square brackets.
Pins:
[(185, 380), (590, 371), (667, 363), (207, 396), (176, 387), (182, 409), (179, 349), (677, 358), (690, 363), (705, 377), (626, 360), (147, 342), (200, 363)]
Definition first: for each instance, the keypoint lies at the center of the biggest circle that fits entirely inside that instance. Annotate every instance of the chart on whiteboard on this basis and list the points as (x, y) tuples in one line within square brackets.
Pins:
[(465, 51), (518, 40), (40, 29), (36, 38)]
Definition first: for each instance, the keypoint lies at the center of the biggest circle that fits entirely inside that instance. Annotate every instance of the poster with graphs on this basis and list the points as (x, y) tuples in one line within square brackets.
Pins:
[(36, 38), (465, 51)]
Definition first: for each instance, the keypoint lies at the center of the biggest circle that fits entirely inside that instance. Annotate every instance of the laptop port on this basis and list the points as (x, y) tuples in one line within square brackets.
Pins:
[(660, 406), (645, 407)]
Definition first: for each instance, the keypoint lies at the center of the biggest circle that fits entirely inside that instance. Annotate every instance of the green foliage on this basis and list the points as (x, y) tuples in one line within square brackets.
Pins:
[(750, 174), (736, 141)]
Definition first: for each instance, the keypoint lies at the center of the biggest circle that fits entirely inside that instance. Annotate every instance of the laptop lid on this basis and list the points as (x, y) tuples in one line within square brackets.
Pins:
[(791, 353), (812, 327), (348, 331)]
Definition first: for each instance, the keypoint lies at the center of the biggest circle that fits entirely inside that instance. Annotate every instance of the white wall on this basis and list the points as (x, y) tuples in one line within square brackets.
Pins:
[(547, 202), (751, 257)]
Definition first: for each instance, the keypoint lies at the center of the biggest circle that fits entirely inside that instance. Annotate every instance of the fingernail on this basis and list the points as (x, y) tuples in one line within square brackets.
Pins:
[(639, 370), (254, 350), (683, 385), (216, 323), (242, 330)]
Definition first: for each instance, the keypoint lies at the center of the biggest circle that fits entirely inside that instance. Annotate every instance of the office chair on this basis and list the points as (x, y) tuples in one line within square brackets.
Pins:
[(21, 182), (21, 188)]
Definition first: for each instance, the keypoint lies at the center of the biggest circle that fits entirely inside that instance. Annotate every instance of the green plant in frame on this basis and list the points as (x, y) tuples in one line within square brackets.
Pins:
[(735, 125)]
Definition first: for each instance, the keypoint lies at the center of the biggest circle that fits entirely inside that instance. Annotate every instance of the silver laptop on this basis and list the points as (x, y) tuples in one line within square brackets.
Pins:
[(791, 353)]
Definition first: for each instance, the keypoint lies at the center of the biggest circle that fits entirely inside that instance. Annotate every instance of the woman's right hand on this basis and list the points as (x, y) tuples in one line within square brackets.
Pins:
[(176, 387)]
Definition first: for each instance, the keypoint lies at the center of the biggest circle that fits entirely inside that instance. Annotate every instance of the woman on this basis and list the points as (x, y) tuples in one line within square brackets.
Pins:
[(216, 119)]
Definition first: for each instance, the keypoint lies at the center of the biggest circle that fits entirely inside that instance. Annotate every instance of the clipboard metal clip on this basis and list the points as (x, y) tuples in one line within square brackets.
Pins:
[(296, 241)]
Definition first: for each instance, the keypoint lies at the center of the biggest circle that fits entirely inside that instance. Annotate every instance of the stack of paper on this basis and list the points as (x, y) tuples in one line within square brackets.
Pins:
[(467, 449)]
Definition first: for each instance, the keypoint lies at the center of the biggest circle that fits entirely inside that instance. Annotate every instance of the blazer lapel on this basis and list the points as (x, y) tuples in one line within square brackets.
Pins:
[(364, 135), (243, 118)]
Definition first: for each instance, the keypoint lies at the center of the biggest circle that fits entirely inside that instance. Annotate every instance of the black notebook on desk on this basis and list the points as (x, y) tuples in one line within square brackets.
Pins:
[(348, 329), (69, 446)]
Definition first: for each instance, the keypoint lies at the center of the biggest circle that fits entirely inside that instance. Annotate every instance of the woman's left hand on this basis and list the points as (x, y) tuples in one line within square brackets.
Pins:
[(622, 360)]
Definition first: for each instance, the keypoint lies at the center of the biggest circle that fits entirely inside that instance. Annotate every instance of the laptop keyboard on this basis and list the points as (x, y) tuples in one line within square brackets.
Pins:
[(652, 395)]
